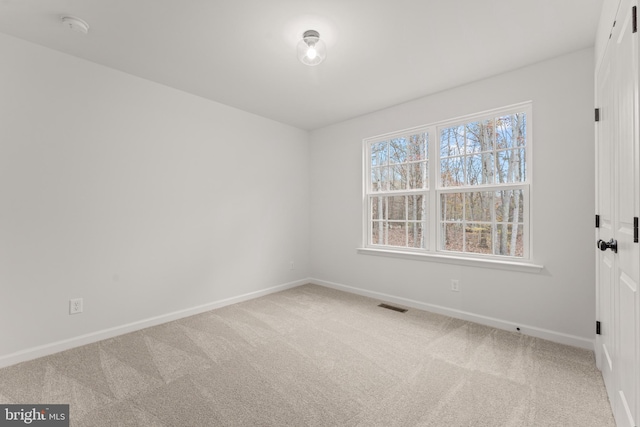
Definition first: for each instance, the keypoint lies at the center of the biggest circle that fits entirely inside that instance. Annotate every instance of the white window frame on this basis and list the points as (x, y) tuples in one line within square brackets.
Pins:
[(432, 232)]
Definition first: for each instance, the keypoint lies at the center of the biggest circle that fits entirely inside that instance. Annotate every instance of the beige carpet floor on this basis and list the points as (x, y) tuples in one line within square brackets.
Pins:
[(312, 356)]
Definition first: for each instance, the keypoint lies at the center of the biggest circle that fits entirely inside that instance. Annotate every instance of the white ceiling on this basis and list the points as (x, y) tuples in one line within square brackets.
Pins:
[(242, 52)]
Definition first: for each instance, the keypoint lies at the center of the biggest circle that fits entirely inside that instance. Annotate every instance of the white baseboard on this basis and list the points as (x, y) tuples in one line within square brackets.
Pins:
[(533, 331), (51, 348), (55, 347)]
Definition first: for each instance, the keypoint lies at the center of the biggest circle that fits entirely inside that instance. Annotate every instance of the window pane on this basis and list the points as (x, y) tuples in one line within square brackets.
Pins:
[(452, 172), (479, 136), (480, 169), (452, 206), (398, 150), (397, 208), (416, 207), (521, 120), (399, 177), (453, 237), (509, 206), (452, 141), (478, 206), (511, 131), (415, 235), (379, 178), (417, 175), (478, 238), (397, 234), (396, 230), (417, 147), (378, 208), (509, 240), (378, 232), (379, 154), (511, 166)]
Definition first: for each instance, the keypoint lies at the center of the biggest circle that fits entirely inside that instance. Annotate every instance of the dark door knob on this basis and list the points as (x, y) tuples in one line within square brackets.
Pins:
[(611, 244)]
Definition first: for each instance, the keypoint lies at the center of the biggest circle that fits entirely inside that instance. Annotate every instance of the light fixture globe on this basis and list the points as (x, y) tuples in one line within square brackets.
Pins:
[(311, 50)]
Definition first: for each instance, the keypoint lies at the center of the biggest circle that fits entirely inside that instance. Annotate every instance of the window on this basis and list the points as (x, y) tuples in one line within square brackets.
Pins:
[(460, 187), (398, 179)]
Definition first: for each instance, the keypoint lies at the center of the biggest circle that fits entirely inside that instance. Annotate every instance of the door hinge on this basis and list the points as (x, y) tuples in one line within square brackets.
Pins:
[(635, 229), (597, 114), (597, 221), (634, 18), (598, 327)]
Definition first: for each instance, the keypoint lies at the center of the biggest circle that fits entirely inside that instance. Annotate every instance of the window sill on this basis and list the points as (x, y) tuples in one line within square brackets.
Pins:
[(451, 259)]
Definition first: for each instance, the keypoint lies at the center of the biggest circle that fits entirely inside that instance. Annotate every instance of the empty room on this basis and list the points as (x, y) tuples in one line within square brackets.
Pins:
[(330, 213)]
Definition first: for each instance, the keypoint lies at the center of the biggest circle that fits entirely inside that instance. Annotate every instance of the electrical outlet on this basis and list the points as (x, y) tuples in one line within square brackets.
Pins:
[(75, 306), (455, 285), (292, 266)]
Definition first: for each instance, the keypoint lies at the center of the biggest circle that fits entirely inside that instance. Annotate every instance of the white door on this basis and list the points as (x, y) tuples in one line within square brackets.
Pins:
[(617, 203), (605, 344)]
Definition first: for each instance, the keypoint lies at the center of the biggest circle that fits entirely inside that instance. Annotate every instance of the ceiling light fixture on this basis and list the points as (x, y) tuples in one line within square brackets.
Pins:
[(75, 24), (311, 50)]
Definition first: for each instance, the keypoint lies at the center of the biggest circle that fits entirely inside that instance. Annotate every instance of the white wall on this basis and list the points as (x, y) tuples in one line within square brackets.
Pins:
[(141, 199), (560, 300), (149, 202)]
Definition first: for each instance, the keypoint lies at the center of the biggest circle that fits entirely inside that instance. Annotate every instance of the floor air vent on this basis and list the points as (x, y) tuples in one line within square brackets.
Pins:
[(391, 307)]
